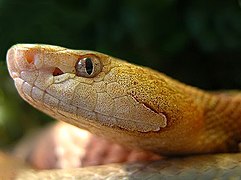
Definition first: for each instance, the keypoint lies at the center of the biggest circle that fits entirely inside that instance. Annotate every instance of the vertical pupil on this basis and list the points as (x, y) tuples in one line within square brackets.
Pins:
[(88, 65)]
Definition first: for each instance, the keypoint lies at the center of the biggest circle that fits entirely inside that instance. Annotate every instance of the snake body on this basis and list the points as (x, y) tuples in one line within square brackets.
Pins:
[(135, 106)]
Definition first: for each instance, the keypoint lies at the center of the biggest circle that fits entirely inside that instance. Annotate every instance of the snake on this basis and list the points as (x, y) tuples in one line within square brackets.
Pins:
[(198, 131)]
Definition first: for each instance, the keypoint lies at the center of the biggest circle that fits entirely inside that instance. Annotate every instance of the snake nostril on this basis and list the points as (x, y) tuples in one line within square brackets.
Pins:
[(57, 72)]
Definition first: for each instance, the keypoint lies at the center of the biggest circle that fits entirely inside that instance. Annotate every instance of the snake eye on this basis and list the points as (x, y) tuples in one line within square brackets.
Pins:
[(88, 66)]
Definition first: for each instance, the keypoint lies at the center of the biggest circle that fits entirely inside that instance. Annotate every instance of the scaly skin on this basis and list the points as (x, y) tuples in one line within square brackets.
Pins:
[(132, 105)]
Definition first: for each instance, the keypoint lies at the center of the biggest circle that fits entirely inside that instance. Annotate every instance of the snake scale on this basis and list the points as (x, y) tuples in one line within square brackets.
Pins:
[(134, 106)]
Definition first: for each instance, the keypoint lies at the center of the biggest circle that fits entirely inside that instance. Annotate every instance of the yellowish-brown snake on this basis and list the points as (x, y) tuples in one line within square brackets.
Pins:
[(134, 106)]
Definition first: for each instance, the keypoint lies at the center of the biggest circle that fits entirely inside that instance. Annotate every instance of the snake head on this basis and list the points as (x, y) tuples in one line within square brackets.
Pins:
[(100, 93), (71, 85)]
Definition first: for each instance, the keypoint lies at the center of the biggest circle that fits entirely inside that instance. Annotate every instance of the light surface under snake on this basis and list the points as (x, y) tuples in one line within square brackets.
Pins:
[(134, 106)]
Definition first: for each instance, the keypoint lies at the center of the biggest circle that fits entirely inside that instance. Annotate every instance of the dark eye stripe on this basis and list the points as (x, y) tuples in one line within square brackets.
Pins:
[(88, 66)]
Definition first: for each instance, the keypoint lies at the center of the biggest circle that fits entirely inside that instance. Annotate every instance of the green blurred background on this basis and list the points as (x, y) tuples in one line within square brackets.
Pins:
[(197, 42)]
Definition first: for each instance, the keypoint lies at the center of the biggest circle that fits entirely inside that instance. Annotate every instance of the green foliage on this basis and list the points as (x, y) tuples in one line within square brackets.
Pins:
[(165, 28)]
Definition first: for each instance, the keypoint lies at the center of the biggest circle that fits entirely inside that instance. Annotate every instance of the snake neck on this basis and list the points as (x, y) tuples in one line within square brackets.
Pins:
[(226, 108), (221, 116)]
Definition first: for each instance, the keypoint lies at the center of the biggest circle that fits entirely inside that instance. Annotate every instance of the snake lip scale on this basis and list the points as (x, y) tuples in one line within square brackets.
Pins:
[(133, 105)]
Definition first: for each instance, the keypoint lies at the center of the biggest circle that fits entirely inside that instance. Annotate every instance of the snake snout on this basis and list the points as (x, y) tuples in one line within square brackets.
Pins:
[(13, 70), (21, 58)]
